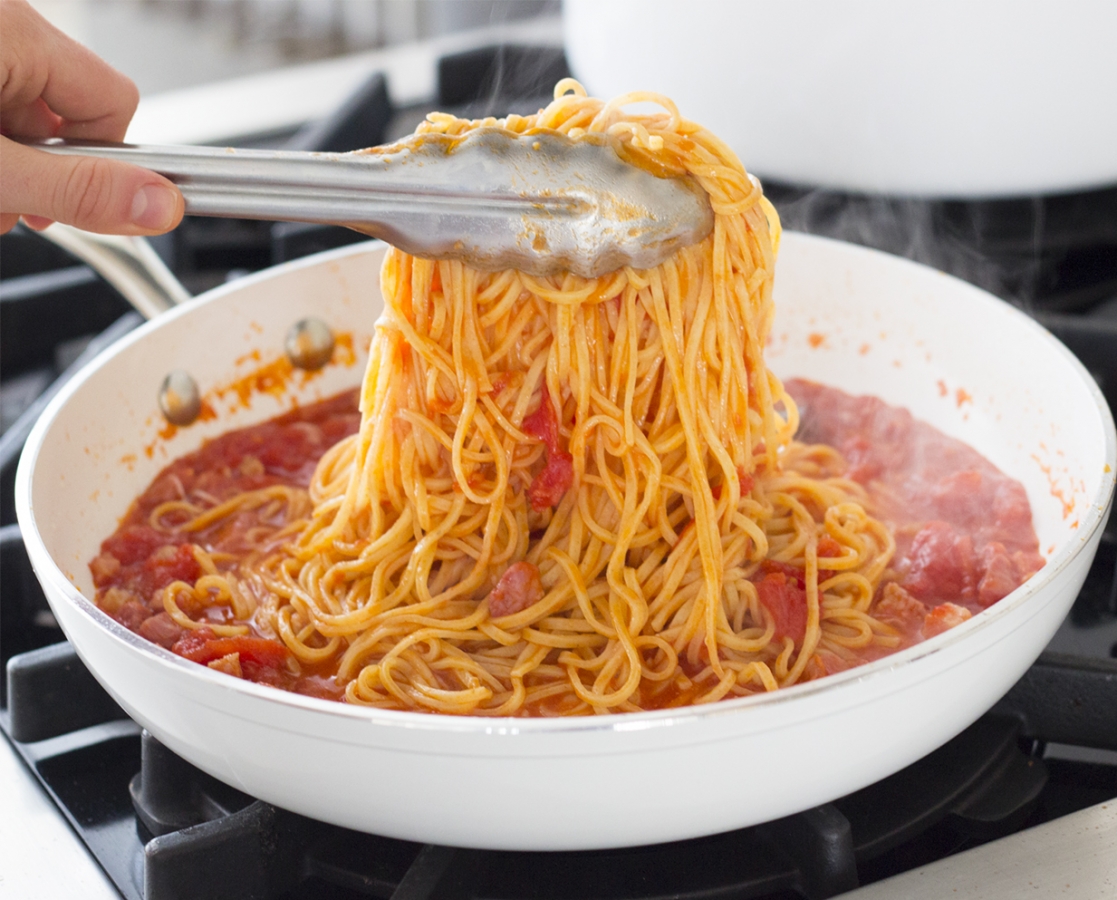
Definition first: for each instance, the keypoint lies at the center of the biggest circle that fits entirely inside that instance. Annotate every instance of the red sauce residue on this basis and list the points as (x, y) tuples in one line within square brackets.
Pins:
[(268, 378), (943, 391), (962, 397), (816, 340), (864, 349), (206, 413), (1056, 489), (274, 377)]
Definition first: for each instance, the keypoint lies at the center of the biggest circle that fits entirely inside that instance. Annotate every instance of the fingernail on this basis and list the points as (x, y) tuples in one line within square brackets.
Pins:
[(154, 207)]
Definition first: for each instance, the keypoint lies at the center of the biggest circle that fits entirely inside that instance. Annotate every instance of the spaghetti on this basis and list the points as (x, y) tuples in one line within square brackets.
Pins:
[(566, 495)]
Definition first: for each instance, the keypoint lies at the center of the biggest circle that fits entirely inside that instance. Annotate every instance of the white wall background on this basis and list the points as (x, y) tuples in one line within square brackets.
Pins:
[(168, 44)]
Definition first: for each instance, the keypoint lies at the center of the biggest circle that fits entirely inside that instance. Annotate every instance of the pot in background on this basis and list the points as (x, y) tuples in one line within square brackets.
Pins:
[(948, 99)]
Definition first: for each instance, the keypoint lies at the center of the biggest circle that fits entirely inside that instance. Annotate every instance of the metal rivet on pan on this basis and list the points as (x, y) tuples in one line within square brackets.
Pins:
[(309, 344), (179, 398)]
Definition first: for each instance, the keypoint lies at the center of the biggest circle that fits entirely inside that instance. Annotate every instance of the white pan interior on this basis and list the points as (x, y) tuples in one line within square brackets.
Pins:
[(854, 318)]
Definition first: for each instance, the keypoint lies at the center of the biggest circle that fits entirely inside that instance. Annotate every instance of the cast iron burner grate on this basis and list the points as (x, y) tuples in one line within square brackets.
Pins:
[(163, 829)]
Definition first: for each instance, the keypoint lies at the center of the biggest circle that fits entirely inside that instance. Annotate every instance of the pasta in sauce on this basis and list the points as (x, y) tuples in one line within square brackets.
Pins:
[(568, 496)]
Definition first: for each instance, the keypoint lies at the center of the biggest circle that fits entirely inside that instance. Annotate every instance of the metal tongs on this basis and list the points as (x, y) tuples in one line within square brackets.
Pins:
[(540, 203)]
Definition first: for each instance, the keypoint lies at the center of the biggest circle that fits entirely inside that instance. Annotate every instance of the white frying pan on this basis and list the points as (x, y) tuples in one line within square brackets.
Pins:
[(598, 781)]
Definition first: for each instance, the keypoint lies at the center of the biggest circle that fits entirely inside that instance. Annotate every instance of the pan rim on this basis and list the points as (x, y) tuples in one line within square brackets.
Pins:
[(830, 687)]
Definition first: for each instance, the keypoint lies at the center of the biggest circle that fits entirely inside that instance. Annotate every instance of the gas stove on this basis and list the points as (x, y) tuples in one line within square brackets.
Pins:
[(1027, 796)]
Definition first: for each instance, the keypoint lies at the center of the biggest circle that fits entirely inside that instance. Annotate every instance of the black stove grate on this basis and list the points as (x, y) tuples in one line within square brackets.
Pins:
[(162, 828)]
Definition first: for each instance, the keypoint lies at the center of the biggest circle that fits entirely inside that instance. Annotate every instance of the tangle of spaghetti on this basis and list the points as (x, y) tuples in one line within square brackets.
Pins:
[(569, 495)]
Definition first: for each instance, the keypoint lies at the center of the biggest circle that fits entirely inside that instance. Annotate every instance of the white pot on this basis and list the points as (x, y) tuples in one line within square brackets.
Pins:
[(955, 98), (595, 781)]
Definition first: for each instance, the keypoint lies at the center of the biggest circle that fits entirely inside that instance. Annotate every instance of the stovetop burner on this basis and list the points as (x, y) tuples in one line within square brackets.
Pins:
[(162, 828)]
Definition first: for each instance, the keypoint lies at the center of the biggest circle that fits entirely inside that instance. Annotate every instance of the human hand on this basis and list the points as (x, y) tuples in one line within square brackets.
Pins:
[(54, 87)]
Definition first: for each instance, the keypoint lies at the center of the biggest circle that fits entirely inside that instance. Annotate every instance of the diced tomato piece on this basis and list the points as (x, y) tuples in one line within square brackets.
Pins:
[(202, 646), (900, 609), (1027, 563), (134, 543), (1000, 577), (518, 588), (786, 601), (254, 649), (164, 488), (230, 665), (941, 564), (132, 614), (161, 629), (543, 423), (104, 568), (944, 617), (274, 675), (798, 576), (551, 484), (557, 475), (193, 643), (169, 563)]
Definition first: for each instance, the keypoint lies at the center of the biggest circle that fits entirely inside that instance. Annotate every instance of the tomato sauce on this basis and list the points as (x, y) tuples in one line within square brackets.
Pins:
[(141, 559), (963, 531)]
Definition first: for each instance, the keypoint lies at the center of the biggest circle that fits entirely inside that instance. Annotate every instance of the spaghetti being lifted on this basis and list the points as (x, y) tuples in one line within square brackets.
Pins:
[(565, 496)]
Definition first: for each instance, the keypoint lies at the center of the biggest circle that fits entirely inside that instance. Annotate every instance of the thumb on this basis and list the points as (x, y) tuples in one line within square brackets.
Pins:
[(99, 195)]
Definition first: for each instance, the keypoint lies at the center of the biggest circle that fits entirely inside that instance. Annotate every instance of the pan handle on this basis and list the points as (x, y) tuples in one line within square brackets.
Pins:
[(129, 264)]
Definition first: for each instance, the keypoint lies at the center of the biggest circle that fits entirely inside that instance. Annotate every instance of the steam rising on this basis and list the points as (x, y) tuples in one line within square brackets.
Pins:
[(1044, 253)]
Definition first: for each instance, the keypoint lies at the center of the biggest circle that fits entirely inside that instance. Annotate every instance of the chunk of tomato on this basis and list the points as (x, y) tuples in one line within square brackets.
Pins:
[(170, 563), (519, 587), (203, 646), (557, 475), (786, 602), (134, 543), (941, 564)]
